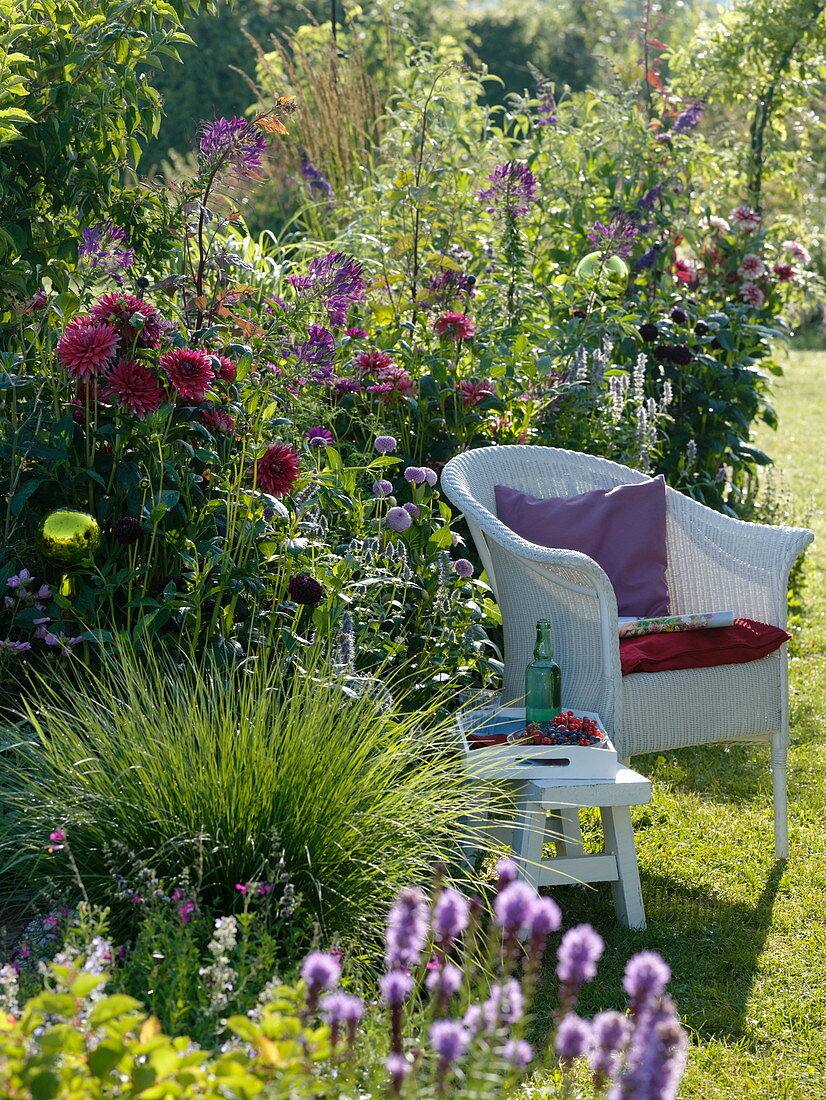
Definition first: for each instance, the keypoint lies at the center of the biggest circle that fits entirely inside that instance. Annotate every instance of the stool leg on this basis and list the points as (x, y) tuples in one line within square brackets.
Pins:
[(564, 830), (619, 839), (528, 839)]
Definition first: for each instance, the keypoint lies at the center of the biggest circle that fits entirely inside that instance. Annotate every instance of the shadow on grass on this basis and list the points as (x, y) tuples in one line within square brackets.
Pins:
[(712, 946), (733, 773)]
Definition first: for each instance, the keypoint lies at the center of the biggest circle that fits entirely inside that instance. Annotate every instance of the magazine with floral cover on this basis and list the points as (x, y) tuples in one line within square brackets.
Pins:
[(629, 627)]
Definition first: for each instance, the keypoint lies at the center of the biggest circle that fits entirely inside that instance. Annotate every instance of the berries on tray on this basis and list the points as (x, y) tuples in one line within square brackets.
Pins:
[(565, 729)]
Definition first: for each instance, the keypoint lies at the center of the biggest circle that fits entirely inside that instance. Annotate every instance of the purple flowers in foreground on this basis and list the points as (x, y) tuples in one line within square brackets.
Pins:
[(336, 280), (232, 142), (617, 238), (513, 189)]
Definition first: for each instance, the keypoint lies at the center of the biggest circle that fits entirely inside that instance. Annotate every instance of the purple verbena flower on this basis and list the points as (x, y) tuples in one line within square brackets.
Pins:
[(573, 1038), (407, 922), (517, 1052), (450, 1040), (610, 1032), (513, 906), (646, 976), (232, 142), (617, 238), (396, 987), (445, 981), (451, 915), (580, 950), (513, 189)]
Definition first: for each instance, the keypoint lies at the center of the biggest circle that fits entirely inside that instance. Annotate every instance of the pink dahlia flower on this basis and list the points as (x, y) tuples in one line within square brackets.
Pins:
[(797, 251), (371, 362), (277, 470), (394, 380), (218, 419), (137, 321), (751, 293), (189, 371), (751, 267), (85, 348), (745, 218), (458, 326), (227, 369), (785, 273), (135, 388), (474, 390)]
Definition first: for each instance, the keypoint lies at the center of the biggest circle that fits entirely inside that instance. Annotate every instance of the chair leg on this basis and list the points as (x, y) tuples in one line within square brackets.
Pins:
[(781, 803)]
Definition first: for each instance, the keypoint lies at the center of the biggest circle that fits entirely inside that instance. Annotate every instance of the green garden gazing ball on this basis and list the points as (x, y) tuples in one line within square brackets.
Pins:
[(66, 538), (612, 271)]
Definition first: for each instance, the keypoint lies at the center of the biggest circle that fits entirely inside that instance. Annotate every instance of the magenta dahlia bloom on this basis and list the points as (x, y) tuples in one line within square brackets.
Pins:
[(392, 381), (189, 371), (85, 348), (751, 267), (752, 294), (136, 321), (218, 419), (745, 218), (372, 362), (134, 388), (513, 188), (226, 369), (458, 326), (234, 143), (277, 470), (473, 390)]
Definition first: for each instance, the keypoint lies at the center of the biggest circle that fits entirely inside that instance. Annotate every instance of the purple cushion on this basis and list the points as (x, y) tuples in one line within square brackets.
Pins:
[(622, 529)]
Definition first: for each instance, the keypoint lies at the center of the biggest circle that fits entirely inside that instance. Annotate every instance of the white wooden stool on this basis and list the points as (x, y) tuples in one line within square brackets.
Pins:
[(617, 864)]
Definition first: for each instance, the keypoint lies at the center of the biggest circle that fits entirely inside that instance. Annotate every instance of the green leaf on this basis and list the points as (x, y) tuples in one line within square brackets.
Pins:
[(111, 1007), (105, 1057)]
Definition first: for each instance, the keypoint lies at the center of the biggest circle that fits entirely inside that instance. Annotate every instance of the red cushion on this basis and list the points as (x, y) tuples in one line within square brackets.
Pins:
[(745, 641)]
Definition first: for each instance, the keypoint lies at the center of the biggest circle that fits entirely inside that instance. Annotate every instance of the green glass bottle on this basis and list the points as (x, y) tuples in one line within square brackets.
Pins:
[(543, 678)]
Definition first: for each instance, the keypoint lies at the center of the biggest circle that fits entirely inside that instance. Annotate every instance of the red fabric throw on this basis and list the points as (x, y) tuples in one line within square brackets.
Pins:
[(745, 641)]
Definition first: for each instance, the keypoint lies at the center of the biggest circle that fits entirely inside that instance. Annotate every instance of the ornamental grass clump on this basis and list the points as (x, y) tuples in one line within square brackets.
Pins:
[(204, 762)]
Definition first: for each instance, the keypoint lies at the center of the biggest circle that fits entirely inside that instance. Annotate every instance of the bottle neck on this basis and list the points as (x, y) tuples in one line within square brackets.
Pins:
[(544, 648)]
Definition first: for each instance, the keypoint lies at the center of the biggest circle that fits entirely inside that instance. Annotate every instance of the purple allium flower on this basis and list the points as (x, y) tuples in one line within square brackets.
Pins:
[(336, 280), (430, 476), (407, 922), (398, 520), (656, 1056), (449, 1040), (396, 987), (304, 589), (513, 189), (415, 475), (579, 952), (689, 118), (319, 436), (412, 510), (384, 444), (445, 981), (505, 1005), (646, 976), (314, 178), (382, 487), (320, 971), (463, 568), (617, 238), (232, 142), (517, 1052), (451, 915), (513, 907), (610, 1032), (97, 246), (573, 1038)]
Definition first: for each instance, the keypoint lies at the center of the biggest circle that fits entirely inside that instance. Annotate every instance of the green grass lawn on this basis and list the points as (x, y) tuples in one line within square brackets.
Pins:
[(744, 935)]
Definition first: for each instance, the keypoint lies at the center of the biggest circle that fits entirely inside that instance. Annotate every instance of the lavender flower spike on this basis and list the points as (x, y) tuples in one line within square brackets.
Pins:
[(518, 1052), (451, 915), (573, 1038), (449, 1040), (579, 952), (656, 1057), (646, 976), (320, 971), (395, 987), (610, 1032), (513, 906)]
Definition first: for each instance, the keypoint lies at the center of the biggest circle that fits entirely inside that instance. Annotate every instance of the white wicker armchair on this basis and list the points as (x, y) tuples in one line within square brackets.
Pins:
[(714, 564)]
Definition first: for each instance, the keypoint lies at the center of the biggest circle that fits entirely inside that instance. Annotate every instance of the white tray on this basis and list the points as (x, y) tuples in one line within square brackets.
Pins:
[(531, 761)]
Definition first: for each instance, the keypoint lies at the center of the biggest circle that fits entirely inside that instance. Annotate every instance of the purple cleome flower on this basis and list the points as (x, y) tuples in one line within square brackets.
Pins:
[(336, 279), (617, 238), (98, 247), (233, 142), (689, 118), (513, 189)]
